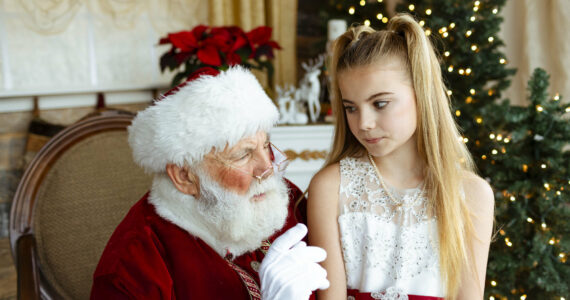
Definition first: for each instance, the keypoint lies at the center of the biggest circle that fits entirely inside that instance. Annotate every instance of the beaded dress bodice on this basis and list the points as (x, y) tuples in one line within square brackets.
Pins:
[(390, 249)]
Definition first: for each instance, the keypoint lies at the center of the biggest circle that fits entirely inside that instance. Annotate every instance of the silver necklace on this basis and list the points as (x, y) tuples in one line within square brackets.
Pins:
[(396, 202)]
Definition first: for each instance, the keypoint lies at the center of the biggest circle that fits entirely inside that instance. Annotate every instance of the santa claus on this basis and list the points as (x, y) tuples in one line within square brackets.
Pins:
[(219, 220)]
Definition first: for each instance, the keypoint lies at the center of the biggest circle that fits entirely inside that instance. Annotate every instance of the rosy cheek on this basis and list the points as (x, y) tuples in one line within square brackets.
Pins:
[(235, 181)]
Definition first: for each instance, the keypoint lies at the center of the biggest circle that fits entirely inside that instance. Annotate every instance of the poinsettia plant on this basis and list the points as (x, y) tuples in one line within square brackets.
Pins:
[(218, 48)]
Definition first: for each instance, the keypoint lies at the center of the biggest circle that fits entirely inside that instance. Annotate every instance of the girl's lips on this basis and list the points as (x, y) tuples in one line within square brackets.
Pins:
[(372, 141)]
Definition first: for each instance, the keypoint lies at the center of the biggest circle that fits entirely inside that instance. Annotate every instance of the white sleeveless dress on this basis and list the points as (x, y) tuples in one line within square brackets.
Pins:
[(389, 250)]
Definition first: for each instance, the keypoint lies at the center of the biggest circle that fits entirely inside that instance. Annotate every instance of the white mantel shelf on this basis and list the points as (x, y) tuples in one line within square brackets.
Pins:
[(307, 146)]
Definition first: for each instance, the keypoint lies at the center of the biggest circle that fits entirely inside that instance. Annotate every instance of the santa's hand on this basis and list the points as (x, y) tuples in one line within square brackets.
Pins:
[(290, 270)]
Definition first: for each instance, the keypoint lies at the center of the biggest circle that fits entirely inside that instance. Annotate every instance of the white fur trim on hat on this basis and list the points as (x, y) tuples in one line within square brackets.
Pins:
[(208, 112)]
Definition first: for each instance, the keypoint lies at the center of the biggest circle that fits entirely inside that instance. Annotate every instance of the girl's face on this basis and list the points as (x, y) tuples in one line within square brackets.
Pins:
[(380, 106)]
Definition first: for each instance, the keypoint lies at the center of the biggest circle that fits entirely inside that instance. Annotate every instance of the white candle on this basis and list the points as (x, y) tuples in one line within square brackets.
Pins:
[(336, 27)]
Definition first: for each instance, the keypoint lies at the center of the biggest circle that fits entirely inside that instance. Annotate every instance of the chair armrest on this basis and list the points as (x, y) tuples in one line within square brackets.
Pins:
[(26, 266)]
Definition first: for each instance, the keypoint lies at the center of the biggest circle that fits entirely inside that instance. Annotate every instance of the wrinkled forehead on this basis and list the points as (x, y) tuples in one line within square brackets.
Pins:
[(246, 143)]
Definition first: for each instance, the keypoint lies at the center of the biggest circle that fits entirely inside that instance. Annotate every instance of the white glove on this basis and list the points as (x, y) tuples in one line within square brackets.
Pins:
[(290, 270)]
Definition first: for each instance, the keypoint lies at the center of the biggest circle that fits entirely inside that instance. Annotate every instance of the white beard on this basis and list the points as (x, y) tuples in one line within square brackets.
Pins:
[(223, 219)]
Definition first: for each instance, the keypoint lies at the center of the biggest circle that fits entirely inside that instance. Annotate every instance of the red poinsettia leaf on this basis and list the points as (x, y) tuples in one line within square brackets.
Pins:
[(198, 31), (209, 55), (239, 42), (183, 40), (274, 45), (259, 35), (164, 40), (233, 59)]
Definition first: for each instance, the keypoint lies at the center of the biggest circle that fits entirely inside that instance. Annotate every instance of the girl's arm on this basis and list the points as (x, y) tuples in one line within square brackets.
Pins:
[(322, 215), (481, 203)]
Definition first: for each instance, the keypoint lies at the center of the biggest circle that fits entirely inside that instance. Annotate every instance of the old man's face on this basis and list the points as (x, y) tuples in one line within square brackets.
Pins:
[(237, 167)]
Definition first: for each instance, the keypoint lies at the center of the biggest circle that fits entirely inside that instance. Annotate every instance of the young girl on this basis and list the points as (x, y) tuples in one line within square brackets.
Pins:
[(397, 207)]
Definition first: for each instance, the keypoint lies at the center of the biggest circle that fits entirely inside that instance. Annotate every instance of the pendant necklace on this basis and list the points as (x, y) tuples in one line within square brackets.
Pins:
[(396, 203)]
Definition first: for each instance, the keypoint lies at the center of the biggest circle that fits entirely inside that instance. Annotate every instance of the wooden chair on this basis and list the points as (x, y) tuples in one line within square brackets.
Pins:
[(70, 199)]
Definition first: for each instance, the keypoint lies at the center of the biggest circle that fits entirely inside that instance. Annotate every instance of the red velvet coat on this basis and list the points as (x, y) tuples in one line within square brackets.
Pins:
[(148, 257)]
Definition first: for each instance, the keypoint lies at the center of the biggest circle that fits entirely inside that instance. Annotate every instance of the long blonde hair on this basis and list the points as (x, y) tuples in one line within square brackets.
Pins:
[(438, 139)]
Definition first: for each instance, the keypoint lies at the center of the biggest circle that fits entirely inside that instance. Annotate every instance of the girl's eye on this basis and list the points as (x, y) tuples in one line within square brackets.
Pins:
[(380, 104), (350, 109)]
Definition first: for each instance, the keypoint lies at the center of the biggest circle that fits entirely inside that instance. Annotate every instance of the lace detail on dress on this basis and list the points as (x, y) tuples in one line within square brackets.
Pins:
[(385, 245), (391, 293)]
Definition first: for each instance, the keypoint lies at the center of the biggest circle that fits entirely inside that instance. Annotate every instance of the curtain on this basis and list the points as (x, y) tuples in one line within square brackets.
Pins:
[(536, 35), (281, 15)]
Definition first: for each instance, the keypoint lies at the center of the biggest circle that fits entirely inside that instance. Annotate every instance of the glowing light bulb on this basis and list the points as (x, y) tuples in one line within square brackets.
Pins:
[(472, 91), (567, 109), (428, 32), (449, 92), (484, 156), (422, 23), (530, 220), (473, 47), (351, 10), (543, 225), (468, 71), (523, 297), (379, 16), (450, 69), (543, 166), (384, 20), (475, 8), (411, 7), (494, 151), (556, 97), (492, 136), (452, 25), (479, 120), (465, 140), (491, 39), (442, 29), (491, 298), (499, 137), (468, 33), (366, 22), (558, 193), (458, 113), (508, 242), (551, 241), (547, 186), (493, 283), (495, 10), (446, 53), (477, 3), (512, 198), (539, 108), (362, 2), (380, 1), (472, 19), (428, 11), (445, 34), (506, 140), (502, 61)]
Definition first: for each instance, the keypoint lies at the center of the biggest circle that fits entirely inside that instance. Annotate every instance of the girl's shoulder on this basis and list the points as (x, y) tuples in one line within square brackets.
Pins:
[(479, 195), (327, 175)]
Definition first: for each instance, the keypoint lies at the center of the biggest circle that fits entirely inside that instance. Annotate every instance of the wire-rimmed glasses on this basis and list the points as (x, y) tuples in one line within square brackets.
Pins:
[(279, 163)]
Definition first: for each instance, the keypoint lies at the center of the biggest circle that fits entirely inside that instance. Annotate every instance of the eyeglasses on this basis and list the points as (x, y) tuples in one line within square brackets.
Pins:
[(279, 163)]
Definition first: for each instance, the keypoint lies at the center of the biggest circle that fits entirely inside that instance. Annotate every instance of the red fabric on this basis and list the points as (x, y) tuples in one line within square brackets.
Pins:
[(366, 296), (147, 257)]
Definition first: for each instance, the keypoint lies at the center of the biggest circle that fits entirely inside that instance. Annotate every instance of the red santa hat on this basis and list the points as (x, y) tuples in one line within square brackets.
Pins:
[(206, 112)]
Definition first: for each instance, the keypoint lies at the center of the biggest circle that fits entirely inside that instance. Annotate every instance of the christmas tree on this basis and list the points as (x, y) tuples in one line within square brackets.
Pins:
[(519, 150)]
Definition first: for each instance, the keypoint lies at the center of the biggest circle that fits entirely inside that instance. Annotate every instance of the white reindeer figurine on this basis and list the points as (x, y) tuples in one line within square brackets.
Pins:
[(291, 110), (310, 87)]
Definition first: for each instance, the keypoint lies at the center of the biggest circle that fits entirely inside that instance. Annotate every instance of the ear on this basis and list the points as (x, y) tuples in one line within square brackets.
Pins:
[(183, 179)]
